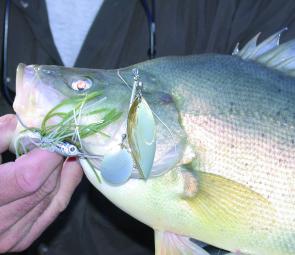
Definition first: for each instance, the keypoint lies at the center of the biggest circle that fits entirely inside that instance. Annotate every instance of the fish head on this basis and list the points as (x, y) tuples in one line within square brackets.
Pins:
[(41, 88)]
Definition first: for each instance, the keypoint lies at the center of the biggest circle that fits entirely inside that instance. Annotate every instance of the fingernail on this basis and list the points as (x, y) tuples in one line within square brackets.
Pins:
[(71, 159)]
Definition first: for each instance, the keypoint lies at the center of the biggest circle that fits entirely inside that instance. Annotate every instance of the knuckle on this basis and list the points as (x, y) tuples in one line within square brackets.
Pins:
[(47, 188), (26, 179)]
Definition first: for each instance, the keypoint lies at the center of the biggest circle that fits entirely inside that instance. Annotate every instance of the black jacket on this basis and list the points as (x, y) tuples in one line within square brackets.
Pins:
[(118, 38)]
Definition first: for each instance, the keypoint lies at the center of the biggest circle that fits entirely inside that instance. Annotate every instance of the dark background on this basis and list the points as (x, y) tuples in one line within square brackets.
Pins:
[(118, 38)]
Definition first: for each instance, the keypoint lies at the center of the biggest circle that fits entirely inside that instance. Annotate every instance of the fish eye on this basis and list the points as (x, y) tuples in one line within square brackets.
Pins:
[(81, 84), (72, 149)]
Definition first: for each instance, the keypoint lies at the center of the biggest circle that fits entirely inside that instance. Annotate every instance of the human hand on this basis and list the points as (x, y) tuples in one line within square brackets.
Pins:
[(34, 190)]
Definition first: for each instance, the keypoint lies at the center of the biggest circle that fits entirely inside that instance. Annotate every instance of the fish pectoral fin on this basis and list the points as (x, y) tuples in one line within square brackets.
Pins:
[(167, 243)]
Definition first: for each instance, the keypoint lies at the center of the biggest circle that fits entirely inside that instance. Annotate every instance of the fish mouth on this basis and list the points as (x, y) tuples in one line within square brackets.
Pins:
[(37, 94), (22, 93), (34, 97)]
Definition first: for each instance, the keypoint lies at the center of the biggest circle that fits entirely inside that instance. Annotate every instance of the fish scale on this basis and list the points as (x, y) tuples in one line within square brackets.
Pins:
[(242, 126), (212, 117)]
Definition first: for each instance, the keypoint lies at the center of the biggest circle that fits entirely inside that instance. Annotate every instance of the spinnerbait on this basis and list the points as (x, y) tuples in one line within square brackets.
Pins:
[(65, 149)]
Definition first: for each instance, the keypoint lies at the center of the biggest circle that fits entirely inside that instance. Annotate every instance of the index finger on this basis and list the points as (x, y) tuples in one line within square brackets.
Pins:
[(27, 174)]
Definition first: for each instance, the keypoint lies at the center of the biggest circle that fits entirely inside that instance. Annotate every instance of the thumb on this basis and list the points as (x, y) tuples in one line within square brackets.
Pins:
[(7, 127)]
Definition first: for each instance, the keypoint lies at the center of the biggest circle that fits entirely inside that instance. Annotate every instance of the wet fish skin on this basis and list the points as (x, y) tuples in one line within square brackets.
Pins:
[(235, 187)]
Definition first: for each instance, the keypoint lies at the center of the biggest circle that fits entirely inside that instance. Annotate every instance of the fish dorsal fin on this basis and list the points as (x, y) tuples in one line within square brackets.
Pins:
[(270, 53)]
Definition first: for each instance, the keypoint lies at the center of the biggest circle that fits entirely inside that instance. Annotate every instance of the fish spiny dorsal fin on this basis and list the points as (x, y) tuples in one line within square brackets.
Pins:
[(270, 53)]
